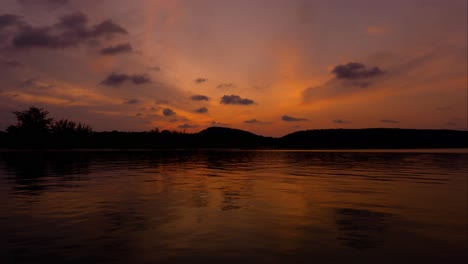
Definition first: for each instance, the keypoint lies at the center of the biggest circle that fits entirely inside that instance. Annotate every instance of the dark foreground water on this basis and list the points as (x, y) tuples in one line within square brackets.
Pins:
[(233, 207)]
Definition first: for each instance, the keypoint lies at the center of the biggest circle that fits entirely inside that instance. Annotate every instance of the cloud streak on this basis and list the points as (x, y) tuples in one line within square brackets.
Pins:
[(341, 121), (254, 121), (226, 86), (116, 79), (117, 49), (44, 2), (131, 101), (287, 118), (187, 126)]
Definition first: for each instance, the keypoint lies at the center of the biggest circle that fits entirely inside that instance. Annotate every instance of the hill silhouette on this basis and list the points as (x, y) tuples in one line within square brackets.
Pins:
[(221, 137), (375, 138), (35, 129)]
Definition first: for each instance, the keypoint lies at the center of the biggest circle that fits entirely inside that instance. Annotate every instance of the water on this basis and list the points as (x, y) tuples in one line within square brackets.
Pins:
[(233, 207)]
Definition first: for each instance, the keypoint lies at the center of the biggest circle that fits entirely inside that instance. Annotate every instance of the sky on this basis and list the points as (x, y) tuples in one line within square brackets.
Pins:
[(266, 66)]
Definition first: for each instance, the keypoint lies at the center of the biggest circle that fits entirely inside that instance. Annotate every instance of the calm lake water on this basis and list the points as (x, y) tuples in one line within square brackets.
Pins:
[(233, 207)]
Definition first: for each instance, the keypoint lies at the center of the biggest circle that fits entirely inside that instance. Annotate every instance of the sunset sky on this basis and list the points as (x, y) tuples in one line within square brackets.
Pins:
[(267, 66)]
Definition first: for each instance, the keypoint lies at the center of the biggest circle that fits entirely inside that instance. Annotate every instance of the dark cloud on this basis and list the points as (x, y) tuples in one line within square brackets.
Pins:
[(292, 119), (70, 31), (132, 101), (235, 99), (187, 126), (355, 70), (39, 37), (116, 79), (349, 78), (75, 21), (390, 121), (117, 49), (253, 121), (140, 79), (107, 28), (226, 86), (200, 80), (341, 121), (44, 2), (199, 97), (168, 112), (201, 110), (7, 20)]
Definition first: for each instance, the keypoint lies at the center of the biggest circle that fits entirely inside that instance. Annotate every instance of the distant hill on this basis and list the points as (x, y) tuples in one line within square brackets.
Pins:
[(375, 138), (221, 137)]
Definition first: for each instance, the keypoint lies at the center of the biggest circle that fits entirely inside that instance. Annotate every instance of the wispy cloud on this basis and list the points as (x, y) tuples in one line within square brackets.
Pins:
[(187, 126), (131, 101), (293, 119), (117, 49), (254, 121), (45, 3), (341, 121), (226, 86)]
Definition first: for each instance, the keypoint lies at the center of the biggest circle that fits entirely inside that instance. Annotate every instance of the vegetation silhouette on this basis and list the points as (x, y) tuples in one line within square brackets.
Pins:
[(34, 129), (31, 122)]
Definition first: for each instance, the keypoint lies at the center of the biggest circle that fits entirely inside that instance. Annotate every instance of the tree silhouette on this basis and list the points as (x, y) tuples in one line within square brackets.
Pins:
[(33, 121), (65, 127), (83, 129)]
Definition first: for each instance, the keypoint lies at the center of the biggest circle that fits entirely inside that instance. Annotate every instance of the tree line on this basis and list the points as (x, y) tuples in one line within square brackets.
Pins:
[(35, 129)]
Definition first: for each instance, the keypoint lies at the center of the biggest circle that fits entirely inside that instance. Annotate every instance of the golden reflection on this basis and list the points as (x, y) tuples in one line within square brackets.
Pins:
[(172, 205)]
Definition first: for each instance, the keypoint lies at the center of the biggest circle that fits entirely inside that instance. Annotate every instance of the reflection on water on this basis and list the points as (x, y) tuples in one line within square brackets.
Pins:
[(233, 206), (360, 229)]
